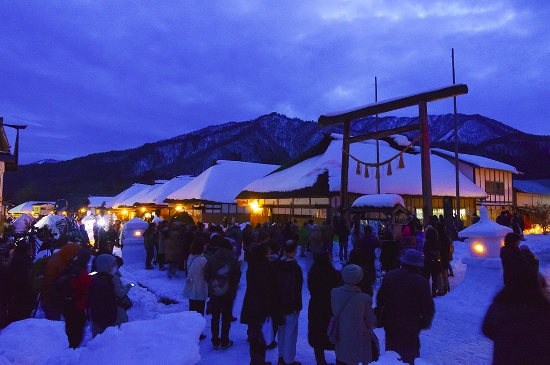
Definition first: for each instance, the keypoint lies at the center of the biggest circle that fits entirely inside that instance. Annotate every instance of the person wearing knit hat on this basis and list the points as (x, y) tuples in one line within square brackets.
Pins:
[(352, 274), (406, 302), (353, 309), (102, 296)]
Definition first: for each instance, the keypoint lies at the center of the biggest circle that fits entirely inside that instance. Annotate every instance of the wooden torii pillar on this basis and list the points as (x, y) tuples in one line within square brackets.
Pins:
[(421, 100)]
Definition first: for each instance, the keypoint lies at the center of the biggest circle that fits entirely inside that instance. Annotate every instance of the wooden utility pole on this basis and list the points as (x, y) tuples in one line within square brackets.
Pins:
[(344, 200), (456, 149)]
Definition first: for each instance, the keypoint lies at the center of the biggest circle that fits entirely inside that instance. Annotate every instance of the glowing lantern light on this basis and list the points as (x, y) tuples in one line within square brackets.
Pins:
[(479, 248), (137, 233), (179, 208)]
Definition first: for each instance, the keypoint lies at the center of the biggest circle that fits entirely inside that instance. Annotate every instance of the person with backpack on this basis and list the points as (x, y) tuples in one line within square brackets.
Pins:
[(51, 304), (74, 284), (102, 296), (289, 286), (222, 273)]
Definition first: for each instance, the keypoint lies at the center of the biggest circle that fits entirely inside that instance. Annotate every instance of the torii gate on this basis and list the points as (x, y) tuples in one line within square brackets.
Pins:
[(421, 100)]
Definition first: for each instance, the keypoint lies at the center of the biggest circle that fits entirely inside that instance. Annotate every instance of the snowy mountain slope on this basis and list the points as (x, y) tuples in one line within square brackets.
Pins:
[(271, 139)]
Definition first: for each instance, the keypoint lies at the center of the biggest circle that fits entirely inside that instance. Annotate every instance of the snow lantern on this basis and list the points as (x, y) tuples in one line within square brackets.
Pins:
[(485, 238), (132, 231)]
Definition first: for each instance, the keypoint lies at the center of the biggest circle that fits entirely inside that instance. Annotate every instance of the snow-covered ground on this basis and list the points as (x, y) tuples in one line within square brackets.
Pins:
[(161, 330)]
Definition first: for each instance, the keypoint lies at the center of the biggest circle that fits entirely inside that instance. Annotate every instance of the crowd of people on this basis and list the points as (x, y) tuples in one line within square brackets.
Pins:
[(210, 256)]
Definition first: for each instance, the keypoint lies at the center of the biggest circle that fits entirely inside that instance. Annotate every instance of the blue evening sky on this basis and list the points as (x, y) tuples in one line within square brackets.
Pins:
[(98, 75)]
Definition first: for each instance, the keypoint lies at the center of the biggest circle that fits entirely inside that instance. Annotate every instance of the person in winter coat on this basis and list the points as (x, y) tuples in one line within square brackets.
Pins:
[(102, 296), (368, 243), (303, 238), (327, 233), (407, 306), (20, 293), (74, 311), (445, 251), (289, 284), (163, 236), (356, 319), (432, 261), (260, 301), (248, 238), (107, 237), (321, 279), (342, 231), (222, 273), (359, 258), (173, 250), (196, 287), (513, 260), (50, 303), (121, 291), (149, 243), (315, 240), (518, 320)]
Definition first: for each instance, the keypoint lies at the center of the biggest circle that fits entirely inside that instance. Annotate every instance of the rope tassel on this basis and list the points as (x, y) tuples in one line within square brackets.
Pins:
[(401, 164), (378, 172), (389, 169), (358, 170), (366, 171)]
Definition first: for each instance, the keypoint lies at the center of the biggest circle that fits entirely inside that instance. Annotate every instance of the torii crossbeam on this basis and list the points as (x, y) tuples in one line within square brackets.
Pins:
[(421, 100)]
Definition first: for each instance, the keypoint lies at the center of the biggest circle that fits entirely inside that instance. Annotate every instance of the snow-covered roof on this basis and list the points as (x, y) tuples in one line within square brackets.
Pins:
[(128, 193), (97, 201), (478, 161), (159, 194), (378, 201), (27, 206), (407, 181), (485, 227), (135, 223), (528, 186), (222, 182)]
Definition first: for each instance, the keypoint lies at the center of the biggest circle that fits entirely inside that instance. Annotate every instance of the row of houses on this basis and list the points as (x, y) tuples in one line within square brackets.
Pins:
[(308, 187)]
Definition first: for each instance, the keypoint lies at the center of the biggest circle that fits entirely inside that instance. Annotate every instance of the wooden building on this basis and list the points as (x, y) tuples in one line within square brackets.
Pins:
[(494, 177), (308, 187)]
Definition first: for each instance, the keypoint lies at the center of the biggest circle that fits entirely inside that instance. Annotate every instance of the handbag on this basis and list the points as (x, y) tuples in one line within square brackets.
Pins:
[(125, 302), (267, 331), (334, 324)]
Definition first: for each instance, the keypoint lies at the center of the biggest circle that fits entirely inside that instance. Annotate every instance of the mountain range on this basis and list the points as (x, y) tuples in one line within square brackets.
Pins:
[(273, 138)]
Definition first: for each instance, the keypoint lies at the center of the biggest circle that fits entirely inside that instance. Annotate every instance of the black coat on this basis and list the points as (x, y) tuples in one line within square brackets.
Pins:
[(289, 283), (519, 325), (408, 307), (320, 283), (102, 300), (261, 299)]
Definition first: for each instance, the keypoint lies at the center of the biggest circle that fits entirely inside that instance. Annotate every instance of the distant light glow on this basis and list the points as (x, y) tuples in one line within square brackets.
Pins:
[(137, 233)]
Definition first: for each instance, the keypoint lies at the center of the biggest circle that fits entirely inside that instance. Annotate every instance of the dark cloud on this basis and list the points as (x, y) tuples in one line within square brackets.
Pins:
[(98, 76)]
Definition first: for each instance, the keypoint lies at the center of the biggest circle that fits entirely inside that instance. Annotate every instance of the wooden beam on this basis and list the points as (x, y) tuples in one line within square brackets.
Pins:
[(385, 133), (393, 104), (427, 210)]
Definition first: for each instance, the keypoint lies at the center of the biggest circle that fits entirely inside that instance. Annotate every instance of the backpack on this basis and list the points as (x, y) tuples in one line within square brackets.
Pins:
[(219, 283), (38, 273), (62, 288)]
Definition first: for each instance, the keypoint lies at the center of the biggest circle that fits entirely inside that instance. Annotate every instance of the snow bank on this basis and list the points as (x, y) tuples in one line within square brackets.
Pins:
[(171, 337)]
